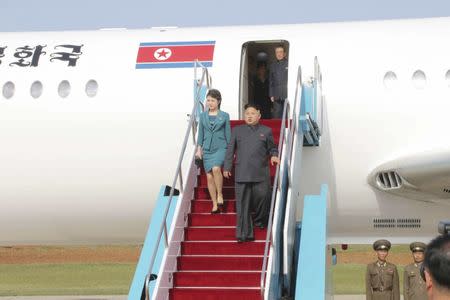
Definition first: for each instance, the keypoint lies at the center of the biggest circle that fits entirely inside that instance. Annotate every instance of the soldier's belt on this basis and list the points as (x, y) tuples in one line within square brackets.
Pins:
[(382, 289)]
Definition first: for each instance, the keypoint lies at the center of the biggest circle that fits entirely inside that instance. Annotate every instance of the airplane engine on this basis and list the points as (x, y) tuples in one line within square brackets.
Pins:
[(423, 176)]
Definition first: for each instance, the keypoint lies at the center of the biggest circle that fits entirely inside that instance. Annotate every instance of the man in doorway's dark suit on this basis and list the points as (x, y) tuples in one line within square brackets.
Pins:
[(278, 79)]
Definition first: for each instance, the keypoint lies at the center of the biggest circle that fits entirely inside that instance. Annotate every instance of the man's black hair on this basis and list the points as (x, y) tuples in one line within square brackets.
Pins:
[(437, 260), (255, 106), (261, 64), (281, 46)]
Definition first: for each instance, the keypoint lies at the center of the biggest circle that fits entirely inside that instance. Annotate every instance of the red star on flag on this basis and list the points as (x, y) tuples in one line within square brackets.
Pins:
[(163, 53)]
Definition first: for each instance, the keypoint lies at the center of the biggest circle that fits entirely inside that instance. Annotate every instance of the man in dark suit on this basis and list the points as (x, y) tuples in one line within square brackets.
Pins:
[(261, 91), (253, 144), (278, 78)]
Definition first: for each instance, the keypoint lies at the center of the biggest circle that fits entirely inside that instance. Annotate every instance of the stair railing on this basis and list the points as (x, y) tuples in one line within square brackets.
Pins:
[(289, 221), (192, 125), (318, 96), (292, 126)]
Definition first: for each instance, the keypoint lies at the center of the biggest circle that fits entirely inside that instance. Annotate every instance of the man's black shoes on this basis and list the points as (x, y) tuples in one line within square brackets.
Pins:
[(245, 240), (260, 225)]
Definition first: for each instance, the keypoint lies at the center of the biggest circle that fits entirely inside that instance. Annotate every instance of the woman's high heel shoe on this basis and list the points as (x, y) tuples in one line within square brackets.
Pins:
[(220, 204)]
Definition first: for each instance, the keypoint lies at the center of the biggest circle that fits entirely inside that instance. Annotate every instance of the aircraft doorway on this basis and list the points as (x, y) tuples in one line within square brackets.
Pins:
[(256, 60)]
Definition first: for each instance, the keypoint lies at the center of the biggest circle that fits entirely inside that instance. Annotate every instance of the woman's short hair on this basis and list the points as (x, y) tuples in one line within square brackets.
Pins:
[(213, 93)]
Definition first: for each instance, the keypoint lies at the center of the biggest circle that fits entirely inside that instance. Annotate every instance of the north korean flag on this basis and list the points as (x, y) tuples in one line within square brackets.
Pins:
[(174, 54)]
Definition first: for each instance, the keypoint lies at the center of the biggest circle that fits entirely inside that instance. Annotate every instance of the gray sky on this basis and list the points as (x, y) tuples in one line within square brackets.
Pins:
[(29, 15)]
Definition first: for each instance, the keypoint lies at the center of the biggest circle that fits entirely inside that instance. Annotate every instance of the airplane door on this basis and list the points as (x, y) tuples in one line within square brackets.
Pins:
[(254, 56)]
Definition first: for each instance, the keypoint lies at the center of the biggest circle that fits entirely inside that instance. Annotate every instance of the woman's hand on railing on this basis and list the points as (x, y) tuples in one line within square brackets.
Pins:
[(199, 152), (274, 160)]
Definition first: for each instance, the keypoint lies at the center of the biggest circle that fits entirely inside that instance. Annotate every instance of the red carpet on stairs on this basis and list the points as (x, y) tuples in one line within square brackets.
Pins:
[(212, 265)]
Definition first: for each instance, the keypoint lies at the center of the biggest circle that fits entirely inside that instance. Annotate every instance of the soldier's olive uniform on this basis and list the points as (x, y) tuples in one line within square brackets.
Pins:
[(414, 287), (382, 282)]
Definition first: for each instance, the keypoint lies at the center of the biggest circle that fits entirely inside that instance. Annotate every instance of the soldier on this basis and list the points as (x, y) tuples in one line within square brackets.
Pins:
[(414, 287), (382, 277)]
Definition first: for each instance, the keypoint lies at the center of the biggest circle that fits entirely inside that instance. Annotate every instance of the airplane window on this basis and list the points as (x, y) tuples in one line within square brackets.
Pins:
[(64, 89), (91, 88), (36, 89), (390, 80), (419, 79), (8, 90)]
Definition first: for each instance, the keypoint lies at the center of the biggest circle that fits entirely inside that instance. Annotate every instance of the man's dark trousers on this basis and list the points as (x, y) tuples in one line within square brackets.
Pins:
[(251, 195), (253, 145)]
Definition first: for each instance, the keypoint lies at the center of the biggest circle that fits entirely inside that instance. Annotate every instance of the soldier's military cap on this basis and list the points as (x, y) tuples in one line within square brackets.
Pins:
[(382, 245), (417, 246)]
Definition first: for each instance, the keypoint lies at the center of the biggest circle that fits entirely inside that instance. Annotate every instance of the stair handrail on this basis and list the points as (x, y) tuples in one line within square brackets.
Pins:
[(295, 121), (192, 125), (318, 117), (276, 187), (292, 125)]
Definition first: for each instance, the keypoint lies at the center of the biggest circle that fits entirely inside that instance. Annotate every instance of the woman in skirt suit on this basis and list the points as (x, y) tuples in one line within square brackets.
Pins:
[(213, 137)]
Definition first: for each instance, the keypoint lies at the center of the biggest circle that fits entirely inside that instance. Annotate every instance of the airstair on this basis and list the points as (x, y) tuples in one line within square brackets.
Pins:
[(190, 254)]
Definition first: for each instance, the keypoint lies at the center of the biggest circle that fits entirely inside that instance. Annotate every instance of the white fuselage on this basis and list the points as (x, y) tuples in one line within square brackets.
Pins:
[(88, 169)]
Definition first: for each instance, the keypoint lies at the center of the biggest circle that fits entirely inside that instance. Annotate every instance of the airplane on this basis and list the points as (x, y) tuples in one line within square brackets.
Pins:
[(92, 124)]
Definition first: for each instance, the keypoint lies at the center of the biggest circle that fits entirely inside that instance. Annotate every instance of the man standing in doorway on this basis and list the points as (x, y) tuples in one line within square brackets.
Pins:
[(278, 77), (413, 285)]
